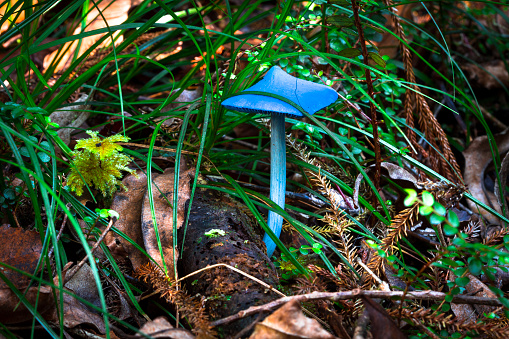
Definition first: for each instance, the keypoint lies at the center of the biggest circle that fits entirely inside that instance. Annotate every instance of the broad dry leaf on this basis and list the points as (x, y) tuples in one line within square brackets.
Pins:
[(7, 6), (477, 288), (187, 96), (490, 75), (289, 322), (70, 117), (162, 192), (477, 158), (501, 20), (76, 314), (161, 328), (23, 254), (129, 204), (466, 313), (114, 12), (83, 285), (395, 172), (382, 325)]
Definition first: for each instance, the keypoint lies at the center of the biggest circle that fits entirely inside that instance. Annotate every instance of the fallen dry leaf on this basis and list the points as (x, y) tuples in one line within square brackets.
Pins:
[(382, 325), (186, 96), (83, 285), (23, 254), (161, 328), (477, 288), (18, 15), (464, 313), (289, 322), (477, 158), (77, 314), (129, 204), (489, 75), (136, 221), (70, 117), (113, 12), (395, 172), (467, 313), (503, 172), (162, 191)]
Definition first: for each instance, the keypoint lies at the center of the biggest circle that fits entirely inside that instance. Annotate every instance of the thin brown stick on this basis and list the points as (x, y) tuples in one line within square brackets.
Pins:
[(50, 254), (264, 284), (355, 294), (382, 284), (72, 272), (427, 331), (371, 91)]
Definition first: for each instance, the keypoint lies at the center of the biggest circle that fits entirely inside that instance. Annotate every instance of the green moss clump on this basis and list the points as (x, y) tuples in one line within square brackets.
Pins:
[(99, 164)]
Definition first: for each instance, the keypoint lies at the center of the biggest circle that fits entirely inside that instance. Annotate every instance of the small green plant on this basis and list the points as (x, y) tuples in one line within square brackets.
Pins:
[(461, 256), (317, 248), (214, 233), (288, 269), (99, 164)]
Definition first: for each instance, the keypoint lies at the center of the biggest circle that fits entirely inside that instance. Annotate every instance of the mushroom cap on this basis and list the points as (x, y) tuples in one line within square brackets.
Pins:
[(310, 96)]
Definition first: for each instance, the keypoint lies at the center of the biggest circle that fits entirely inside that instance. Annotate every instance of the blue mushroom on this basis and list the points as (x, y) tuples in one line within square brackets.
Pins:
[(280, 94)]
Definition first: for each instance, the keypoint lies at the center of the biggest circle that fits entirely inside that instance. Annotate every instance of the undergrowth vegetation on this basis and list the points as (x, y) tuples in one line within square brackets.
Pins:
[(377, 189)]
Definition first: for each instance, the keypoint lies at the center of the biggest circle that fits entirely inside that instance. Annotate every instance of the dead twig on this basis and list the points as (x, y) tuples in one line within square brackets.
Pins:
[(383, 285), (72, 272), (427, 331), (355, 294), (250, 277), (50, 254)]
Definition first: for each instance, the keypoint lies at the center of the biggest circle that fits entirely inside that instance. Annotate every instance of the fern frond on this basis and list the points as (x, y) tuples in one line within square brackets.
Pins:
[(399, 227), (495, 237), (192, 308), (495, 328), (401, 223)]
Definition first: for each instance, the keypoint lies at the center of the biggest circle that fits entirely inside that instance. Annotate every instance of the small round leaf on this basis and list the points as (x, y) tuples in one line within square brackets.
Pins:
[(453, 218), (427, 198), (450, 230), (474, 265)]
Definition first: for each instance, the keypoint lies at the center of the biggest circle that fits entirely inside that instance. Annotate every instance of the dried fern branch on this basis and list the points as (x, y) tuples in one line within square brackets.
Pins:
[(192, 308), (335, 221), (400, 225), (495, 328), (427, 121)]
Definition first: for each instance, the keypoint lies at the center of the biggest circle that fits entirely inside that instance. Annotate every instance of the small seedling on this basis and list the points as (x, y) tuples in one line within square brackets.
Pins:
[(214, 233)]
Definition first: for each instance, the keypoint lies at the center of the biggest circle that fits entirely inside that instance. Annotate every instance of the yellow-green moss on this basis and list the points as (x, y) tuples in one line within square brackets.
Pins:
[(99, 164)]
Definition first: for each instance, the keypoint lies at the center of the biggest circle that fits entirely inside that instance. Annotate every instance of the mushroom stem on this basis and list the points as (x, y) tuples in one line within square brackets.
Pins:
[(277, 177)]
